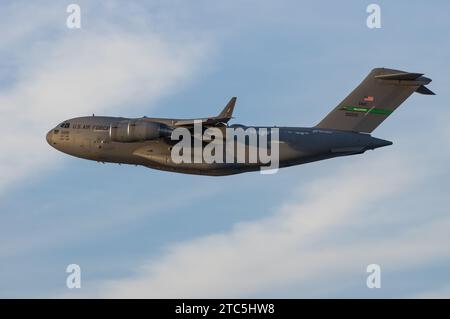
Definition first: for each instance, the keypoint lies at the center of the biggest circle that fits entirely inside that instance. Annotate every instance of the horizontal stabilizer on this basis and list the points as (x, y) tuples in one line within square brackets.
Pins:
[(400, 76), (424, 90), (407, 78)]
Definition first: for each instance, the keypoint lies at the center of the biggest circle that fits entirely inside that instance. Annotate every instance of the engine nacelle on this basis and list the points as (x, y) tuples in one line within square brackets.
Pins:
[(138, 130)]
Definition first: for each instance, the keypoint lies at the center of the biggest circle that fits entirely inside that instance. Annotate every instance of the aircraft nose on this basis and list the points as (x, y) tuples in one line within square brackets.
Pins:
[(49, 136)]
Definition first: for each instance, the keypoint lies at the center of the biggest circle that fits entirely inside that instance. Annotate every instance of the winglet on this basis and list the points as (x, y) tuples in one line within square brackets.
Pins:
[(223, 117), (227, 112)]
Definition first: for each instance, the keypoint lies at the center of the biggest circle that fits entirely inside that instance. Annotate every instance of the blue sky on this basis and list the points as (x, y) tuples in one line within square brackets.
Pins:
[(307, 231)]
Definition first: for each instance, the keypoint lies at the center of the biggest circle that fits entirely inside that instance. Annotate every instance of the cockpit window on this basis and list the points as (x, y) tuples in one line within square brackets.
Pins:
[(65, 125)]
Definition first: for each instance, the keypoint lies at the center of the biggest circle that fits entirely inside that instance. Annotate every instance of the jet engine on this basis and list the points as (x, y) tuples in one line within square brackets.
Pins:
[(139, 130)]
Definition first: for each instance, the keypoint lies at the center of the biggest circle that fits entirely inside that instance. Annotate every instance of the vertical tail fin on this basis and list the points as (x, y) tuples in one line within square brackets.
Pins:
[(381, 92)]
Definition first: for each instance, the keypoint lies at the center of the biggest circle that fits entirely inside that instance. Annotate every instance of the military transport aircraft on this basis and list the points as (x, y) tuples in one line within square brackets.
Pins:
[(150, 141)]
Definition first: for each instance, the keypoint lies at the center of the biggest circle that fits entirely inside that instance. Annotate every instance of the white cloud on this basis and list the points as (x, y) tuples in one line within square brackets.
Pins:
[(306, 242), (80, 72)]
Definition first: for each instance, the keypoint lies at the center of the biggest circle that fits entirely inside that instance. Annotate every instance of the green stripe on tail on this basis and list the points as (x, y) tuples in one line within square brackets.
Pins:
[(366, 110)]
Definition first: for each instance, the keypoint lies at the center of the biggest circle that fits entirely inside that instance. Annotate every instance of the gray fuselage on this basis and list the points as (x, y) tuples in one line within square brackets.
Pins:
[(90, 138)]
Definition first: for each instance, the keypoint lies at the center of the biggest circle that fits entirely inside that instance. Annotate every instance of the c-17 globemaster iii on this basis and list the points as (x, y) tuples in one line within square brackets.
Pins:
[(155, 142)]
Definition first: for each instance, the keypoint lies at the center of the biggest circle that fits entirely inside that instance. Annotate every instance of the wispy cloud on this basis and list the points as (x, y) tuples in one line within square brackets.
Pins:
[(80, 72), (323, 236)]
